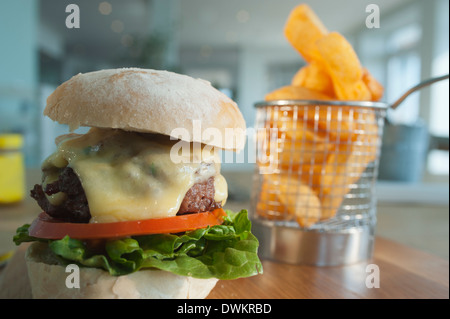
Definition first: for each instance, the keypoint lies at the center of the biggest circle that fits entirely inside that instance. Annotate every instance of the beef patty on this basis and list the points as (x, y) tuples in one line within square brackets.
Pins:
[(75, 208), (199, 198)]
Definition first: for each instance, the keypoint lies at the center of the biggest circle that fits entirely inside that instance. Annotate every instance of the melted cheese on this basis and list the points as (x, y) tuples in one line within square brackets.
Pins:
[(221, 189), (130, 176)]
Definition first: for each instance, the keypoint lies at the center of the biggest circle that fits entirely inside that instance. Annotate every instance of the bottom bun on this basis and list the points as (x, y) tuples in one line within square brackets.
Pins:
[(48, 281)]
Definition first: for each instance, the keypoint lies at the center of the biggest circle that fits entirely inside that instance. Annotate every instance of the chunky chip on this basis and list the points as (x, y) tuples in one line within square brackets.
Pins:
[(375, 87), (315, 77), (291, 92), (300, 200), (343, 66), (286, 197), (269, 206), (303, 28), (346, 166)]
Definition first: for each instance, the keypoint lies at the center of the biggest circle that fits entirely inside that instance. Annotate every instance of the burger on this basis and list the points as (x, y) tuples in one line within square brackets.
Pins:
[(136, 203)]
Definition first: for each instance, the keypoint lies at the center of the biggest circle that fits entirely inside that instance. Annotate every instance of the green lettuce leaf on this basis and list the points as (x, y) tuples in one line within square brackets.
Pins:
[(226, 251)]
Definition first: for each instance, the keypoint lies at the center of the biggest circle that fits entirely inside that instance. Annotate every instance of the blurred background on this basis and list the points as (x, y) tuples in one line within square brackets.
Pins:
[(239, 46)]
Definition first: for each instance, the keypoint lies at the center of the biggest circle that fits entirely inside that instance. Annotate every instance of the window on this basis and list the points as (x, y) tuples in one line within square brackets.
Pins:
[(403, 71), (438, 160), (412, 44)]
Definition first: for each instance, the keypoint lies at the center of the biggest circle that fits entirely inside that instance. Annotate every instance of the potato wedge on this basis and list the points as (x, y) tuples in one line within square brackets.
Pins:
[(291, 92), (269, 205), (299, 200), (375, 87), (344, 67), (346, 165), (314, 76), (303, 28), (339, 57), (352, 91)]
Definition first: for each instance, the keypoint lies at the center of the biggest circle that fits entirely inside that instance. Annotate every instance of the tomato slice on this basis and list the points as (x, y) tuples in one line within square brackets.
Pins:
[(47, 227)]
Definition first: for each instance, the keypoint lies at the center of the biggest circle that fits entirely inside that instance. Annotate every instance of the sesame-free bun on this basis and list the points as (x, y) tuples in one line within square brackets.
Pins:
[(152, 101), (48, 280)]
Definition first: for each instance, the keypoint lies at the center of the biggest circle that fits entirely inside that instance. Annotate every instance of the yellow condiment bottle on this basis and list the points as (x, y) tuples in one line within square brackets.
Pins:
[(12, 175)]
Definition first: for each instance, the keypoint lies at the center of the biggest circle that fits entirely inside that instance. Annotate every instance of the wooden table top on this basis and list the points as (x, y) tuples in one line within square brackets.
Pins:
[(404, 272)]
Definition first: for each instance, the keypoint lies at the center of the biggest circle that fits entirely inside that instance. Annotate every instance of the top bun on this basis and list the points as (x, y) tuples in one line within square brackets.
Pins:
[(149, 101)]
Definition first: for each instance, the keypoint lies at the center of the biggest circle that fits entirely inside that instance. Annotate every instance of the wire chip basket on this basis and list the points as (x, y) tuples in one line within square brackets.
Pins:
[(314, 195)]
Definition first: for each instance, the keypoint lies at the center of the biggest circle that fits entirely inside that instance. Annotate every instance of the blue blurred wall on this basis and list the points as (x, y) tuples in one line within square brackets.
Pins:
[(19, 70)]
